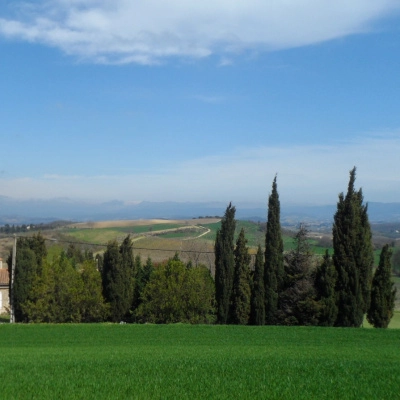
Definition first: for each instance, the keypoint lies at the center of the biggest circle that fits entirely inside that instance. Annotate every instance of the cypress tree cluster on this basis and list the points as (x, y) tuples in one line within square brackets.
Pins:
[(353, 256), (294, 288)]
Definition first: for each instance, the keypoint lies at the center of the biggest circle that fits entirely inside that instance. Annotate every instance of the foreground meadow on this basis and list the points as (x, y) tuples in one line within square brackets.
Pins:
[(107, 361)]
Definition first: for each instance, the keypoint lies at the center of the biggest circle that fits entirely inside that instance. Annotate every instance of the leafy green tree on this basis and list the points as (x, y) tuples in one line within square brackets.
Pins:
[(257, 314), (74, 254), (40, 306), (274, 266), (383, 293), (118, 278), (61, 294), (92, 306), (353, 256), (175, 293), (225, 264), (325, 281), (56, 293), (241, 294)]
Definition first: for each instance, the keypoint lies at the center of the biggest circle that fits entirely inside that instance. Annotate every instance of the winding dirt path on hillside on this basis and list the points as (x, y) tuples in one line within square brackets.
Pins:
[(171, 230)]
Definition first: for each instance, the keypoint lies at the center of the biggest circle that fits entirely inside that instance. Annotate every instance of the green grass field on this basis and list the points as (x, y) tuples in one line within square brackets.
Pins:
[(103, 235), (198, 362)]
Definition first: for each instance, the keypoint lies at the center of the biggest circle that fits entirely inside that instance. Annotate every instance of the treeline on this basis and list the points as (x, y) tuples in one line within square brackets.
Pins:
[(11, 229), (78, 287), (280, 288)]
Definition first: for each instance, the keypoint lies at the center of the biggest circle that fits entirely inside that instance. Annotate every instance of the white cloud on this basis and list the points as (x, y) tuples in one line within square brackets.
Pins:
[(148, 31), (306, 174)]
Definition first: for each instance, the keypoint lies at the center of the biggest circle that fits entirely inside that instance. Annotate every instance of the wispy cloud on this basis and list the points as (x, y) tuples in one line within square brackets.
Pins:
[(149, 31), (306, 174)]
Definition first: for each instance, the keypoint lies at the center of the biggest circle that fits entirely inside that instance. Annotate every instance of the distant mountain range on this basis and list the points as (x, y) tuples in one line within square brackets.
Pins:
[(14, 211)]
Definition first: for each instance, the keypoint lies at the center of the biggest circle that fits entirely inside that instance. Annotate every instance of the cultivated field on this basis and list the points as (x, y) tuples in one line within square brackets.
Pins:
[(108, 361)]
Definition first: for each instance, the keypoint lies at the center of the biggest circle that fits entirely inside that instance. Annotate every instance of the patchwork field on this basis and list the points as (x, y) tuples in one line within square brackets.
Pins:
[(197, 362)]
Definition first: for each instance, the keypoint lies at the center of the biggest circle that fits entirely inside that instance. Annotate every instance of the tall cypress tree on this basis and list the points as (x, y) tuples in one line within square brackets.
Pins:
[(353, 256), (225, 264), (382, 292), (257, 313), (273, 267), (241, 294)]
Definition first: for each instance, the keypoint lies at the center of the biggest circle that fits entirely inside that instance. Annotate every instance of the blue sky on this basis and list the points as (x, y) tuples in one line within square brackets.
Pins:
[(187, 101)]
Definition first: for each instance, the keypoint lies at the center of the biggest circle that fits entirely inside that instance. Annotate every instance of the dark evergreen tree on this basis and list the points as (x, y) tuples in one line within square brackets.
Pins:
[(365, 260), (383, 293), (297, 305), (139, 281), (25, 272), (148, 270), (353, 256), (325, 281), (225, 264), (110, 276), (274, 267), (257, 314), (143, 273), (127, 275), (241, 294), (118, 278), (30, 256)]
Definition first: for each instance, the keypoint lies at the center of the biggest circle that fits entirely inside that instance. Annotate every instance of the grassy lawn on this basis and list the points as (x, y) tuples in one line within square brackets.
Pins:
[(198, 362)]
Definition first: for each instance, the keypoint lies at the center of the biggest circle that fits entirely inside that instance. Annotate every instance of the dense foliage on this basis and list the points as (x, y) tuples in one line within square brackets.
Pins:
[(30, 256), (118, 278), (325, 281), (241, 294), (296, 297), (175, 293), (225, 265), (352, 257), (382, 292), (257, 314), (63, 294)]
